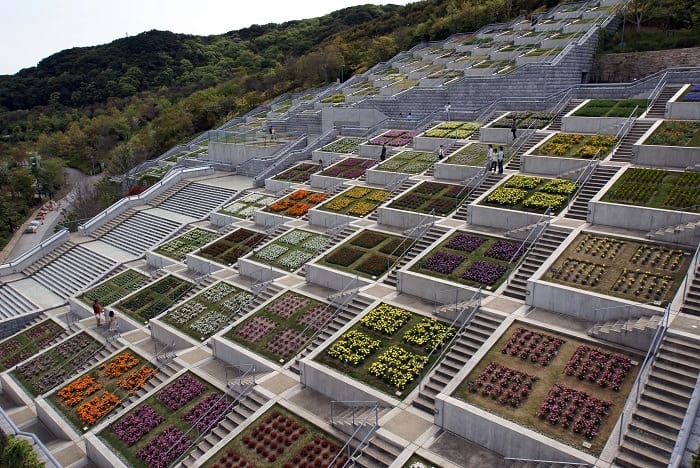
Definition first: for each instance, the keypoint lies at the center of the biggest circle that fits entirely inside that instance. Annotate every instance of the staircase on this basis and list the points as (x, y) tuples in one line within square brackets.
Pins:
[(672, 233), (555, 126), (656, 421), (644, 324), (196, 200), (691, 301), (432, 235), (169, 193), (658, 107), (139, 232), (48, 258), (13, 303), (535, 138), (465, 346), (489, 181), (600, 177), (380, 451), (623, 153), (405, 185), (551, 238)]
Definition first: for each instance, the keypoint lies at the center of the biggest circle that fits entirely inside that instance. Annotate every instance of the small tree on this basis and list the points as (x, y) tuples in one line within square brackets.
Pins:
[(18, 453)]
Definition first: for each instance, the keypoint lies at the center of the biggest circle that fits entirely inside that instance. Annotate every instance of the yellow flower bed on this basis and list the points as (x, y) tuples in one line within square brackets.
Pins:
[(339, 203), (357, 192)]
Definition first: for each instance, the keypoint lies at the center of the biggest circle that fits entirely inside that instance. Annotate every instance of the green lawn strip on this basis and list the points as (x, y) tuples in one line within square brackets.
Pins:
[(23, 345), (292, 322), (108, 384), (379, 250), (469, 258), (611, 108), (520, 206), (547, 377), (228, 250), (55, 365), (240, 448), (179, 247), (356, 206), (154, 299), (676, 133), (444, 201), (682, 187), (299, 173), (614, 268), (409, 162), (115, 288), (361, 371), (317, 241), (169, 417)]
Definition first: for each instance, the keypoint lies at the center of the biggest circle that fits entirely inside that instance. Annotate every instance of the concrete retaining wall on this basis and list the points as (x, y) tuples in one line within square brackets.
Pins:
[(431, 288), (261, 272), (456, 172), (53, 420), (328, 219), (500, 218), (431, 144), (167, 334), (202, 265), (220, 219), (100, 454), (603, 125), (236, 355), (382, 178), (324, 182), (263, 218), (332, 279), (401, 219), (665, 156), (158, 261), (236, 153), (551, 165), (277, 185), (683, 110), (496, 135)]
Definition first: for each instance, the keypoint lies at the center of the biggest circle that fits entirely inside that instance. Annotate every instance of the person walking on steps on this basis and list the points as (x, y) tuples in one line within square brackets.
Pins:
[(499, 159), (97, 311), (514, 127), (382, 156), (441, 152), (491, 157)]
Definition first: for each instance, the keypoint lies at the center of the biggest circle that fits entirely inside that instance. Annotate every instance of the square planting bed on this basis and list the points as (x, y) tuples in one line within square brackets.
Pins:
[(576, 145), (611, 108), (280, 330), (394, 138), (300, 173), (155, 433), (656, 188), (297, 203), (154, 299), (245, 206), (228, 250), (409, 162), (456, 130), (532, 194), (350, 168), (524, 119), (676, 133), (93, 395), (471, 259), (429, 196), (115, 288), (280, 438), (388, 349), (356, 201), (54, 366), (342, 145), (179, 247), (369, 254), (559, 386), (473, 154), (624, 268), (209, 310), (292, 250), (27, 343)]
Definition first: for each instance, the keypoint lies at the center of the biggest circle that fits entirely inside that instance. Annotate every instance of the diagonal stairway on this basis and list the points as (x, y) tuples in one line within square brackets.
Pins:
[(691, 301), (139, 232), (623, 153), (600, 177), (555, 126), (604, 330), (380, 451), (551, 238), (658, 107), (196, 200), (465, 346), (433, 234), (656, 421), (13, 303), (489, 181), (535, 138)]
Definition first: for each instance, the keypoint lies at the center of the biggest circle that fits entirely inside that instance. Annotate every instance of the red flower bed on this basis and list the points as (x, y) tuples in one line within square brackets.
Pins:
[(344, 256), (508, 386), (318, 452), (272, 437), (287, 305), (315, 316), (538, 348), (231, 459), (285, 343), (255, 329), (594, 365), (574, 409)]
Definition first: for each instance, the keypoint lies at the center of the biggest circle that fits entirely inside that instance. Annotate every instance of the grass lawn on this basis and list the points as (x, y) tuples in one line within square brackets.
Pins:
[(409, 162), (115, 288), (676, 133), (657, 188), (428, 196), (228, 250), (546, 378), (612, 108), (368, 254)]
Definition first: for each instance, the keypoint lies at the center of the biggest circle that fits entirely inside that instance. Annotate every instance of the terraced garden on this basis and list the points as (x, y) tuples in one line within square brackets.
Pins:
[(394, 138), (246, 206), (115, 288), (676, 133), (533, 194), (300, 173), (343, 145), (368, 254), (453, 129), (575, 145), (349, 168), (188, 242), (279, 330), (27, 343), (638, 271), (297, 203), (292, 250), (356, 201), (154, 299), (409, 162), (524, 119), (228, 250), (429, 196), (474, 154), (389, 349), (657, 188), (557, 385), (612, 108)]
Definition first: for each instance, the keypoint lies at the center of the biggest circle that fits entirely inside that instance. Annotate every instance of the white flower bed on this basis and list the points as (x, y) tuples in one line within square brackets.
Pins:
[(248, 211), (209, 323), (316, 243), (234, 207), (239, 301), (218, 292), (252, 197), (295, 237), (188, 311), (271, 252), (295, 259)]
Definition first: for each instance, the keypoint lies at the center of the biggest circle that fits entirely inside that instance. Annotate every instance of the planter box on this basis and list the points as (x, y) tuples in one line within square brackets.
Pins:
[(533, 39), (456, 172), (277, 185), (678, 157), (459, 65), (220, 219), (500, 218), (419, 73), (202, 265), (100, 454), (569, 15), (323, 182), (423, 143), (577, 27), (263, 218), (602, 125), (237, 355), (497, 135), (433, 289), (409, 67), (259, 271), (53, 420), (166, 333), (331, 278), (328, 219), (683, 110), (554, 26), (505, 55), (550, 165), (594, 14), (401, 219), (431, 82), (556, 43)]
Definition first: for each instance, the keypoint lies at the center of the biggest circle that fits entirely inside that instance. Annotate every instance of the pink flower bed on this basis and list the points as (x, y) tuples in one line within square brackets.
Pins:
[(181, 392), (137, 424), (285, 343), (538, 348), (574, 409), (316, 316), (508, 386), (255, 329), (208, 412), (287, 305), (594, 365)]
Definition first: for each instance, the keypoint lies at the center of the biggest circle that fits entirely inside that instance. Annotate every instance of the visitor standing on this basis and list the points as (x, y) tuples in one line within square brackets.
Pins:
[(448, 106), (499, 158), (409, 116), (97, 311), (382, 156), (111, 322), (272, 133), (491, 157), (441, 152), (320, 165), (514, 127)]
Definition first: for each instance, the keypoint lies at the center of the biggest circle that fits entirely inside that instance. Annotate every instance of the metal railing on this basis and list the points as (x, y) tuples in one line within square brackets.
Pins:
[(536, 230), (243, 371), (361, 425), (548, 462), (657, 91), (471, 184), (38, 444), (161, 355), (626, 127), (389, 264), (13, 266), (349, 289), (677, 454), (583, 177), (690, 275)]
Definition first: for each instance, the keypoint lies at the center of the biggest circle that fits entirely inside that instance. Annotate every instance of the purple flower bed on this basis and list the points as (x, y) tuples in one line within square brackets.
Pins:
[(466, 242), (394, 138), (503, 250), (692, 97), (209, 411), (137, 424), (181, 392), (442, 262), (484, 272), (164, 448)]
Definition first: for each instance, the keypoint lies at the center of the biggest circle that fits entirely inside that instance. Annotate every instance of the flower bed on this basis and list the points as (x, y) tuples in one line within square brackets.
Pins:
[(155, 298), (53, 367), (535, 194), (524, 119), (228, 250), (429, 196), (300, 173), (471, 259), (623, 268), (473, 154), (612, 108), (393, 138), (208, 311), (350, 168), (400, 342), (96, 393), (357, 201), (292, 250), (657, 188), (280, 438), (246, 206), (575, 145), (27, 343), (179, 247), (154, 434), (409, 162), (343, 145), (278, 330), (297, 203), (368, 254), (457, 130), (529, 376), (115, 288)]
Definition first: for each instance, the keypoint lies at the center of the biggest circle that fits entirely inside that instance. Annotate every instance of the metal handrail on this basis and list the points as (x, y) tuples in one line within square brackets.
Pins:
[(539, 228), (657, 91), (686, 427), (164, 350), (626, 126), (479, 178), (550, 462), (360, 426), (247, 369), (389, 267), (28, 254), (583, 177), (37, 442), (322, 326), (347, 289), (690, 275)]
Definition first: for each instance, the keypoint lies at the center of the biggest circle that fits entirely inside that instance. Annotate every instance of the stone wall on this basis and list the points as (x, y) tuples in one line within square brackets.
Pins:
[(623, 68)]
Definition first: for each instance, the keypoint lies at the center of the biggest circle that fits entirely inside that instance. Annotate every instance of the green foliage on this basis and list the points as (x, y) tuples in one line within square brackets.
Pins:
[(18, 453)]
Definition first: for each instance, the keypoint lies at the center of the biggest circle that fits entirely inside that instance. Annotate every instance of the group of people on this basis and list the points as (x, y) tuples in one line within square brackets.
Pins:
[(494, 159), (111, 320)]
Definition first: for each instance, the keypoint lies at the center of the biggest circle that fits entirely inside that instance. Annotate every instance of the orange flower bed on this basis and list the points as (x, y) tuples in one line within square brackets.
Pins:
[(317, 197), (299, 194), (76, 391), (96, 408), (120, 364), (299, 209), (137, 379), (281, 205)]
